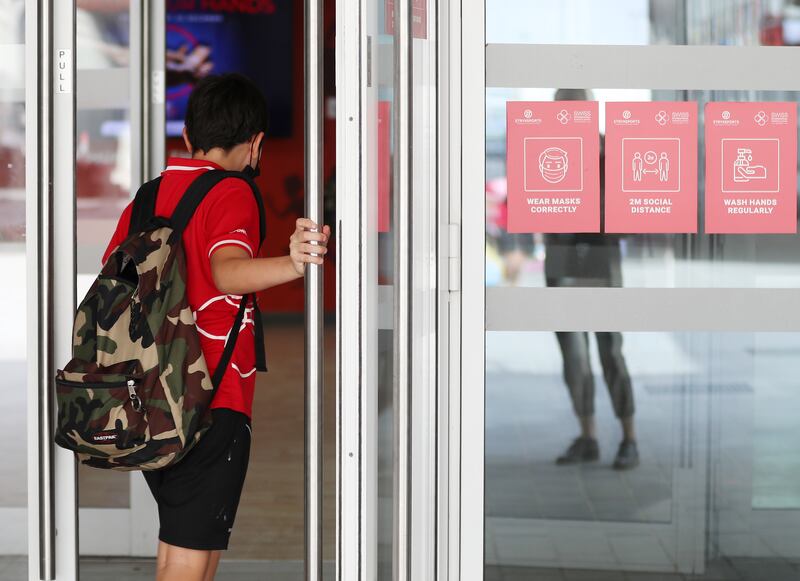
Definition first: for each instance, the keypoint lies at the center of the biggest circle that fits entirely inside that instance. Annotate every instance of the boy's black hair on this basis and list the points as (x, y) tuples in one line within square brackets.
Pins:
[(224, 111)]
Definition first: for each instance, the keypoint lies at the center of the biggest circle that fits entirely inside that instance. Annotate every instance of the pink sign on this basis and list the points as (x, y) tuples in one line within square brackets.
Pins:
[(751, 168), (553, 161), (419, 16), (651, 168), (384, 163)]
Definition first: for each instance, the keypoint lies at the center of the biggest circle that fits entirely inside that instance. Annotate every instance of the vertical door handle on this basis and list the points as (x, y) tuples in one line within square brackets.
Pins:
[(314, 305), (403, 260), (45, 358)]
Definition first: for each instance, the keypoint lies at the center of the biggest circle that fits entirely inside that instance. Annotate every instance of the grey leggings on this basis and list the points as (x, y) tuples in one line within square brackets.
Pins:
[(580, 379)]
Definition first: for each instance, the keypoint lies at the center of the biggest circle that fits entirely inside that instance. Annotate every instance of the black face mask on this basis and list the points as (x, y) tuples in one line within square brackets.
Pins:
[(249, 170)]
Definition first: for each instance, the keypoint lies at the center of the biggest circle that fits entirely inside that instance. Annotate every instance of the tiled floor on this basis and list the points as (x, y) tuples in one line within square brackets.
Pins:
[(727, 570)]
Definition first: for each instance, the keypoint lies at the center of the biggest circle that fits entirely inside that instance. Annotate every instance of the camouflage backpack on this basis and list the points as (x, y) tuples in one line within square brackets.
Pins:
[(137, 391)]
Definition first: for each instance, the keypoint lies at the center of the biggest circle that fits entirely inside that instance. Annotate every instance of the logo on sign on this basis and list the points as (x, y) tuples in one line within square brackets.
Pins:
[(528, 114), (726, 115), (661, 118), (761, 118), (563, 117), (626, 114)]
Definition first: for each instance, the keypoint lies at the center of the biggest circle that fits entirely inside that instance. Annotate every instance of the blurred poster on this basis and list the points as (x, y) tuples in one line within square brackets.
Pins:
[(651, 168), (751, 168), (207, 37), (553, 166), (384, 164), (419, 17)]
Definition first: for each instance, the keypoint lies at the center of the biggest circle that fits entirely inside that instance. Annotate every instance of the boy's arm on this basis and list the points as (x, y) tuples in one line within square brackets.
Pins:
[(235, 272)]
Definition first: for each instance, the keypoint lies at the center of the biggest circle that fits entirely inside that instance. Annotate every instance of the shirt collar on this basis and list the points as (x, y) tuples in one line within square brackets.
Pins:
[(188, 164)]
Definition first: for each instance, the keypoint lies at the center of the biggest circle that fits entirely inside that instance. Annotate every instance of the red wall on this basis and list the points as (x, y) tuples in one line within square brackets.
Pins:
[(282, 159)]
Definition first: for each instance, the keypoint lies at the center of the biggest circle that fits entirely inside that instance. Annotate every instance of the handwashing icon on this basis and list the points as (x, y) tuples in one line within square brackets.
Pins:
[(743, 171)]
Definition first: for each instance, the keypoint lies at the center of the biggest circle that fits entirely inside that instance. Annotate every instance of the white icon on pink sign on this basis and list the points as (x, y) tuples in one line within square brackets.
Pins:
[(761, 118), (662, 118), (743, 168), (751, 165), (553, 165), (651, 164), (656, 164)]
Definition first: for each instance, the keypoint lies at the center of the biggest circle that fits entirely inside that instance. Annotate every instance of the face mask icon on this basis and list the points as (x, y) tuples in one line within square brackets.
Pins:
[(553, 165)]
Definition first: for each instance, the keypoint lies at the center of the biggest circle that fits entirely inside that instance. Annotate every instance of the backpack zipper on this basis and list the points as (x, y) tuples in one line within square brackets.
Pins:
[(135, 400)]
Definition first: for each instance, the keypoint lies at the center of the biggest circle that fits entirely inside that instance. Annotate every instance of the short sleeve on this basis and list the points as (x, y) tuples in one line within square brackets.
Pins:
[(120, 233), (231, 218)]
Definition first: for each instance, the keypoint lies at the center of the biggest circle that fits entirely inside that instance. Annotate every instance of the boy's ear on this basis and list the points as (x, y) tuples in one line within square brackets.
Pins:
[(257, 140), (186, 141)]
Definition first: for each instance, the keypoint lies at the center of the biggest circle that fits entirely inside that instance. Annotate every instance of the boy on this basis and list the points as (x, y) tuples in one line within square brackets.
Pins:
[(197, 498)]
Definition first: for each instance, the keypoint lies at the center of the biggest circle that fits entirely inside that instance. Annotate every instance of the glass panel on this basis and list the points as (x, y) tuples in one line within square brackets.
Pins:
[(634, 260), (13, 306), (103, 33), (644, 22), (728, 395), (382, 187), (103, 181), (103, 184), (652, 452), (538, 383)]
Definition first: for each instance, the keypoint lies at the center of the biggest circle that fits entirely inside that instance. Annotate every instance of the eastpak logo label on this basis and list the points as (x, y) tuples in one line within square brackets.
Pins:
[(106, 436)]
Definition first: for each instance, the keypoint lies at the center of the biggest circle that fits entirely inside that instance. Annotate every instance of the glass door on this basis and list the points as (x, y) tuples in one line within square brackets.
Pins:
[(627, 375), (390, 290), (119, 135), (19, 267)]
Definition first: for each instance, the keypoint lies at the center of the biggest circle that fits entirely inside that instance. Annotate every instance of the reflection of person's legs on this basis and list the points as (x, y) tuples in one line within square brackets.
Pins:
[(512, 265), (580, 382), (620, 388)]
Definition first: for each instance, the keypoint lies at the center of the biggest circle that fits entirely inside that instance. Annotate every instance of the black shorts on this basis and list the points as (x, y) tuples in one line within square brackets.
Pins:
[(197, 497)]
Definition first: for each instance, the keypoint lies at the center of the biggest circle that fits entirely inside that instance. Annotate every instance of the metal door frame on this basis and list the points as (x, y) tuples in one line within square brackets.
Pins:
[(50, 216), (364, 307)]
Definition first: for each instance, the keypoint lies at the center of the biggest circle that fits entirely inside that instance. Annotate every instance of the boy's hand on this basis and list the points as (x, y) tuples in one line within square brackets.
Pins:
[(301, 249)]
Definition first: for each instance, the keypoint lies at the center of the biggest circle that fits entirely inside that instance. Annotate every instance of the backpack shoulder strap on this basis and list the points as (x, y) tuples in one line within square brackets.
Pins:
[(200, 188), (183, 213), (144, 205)]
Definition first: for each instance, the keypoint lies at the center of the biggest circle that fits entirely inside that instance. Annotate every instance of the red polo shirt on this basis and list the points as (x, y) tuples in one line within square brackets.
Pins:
[(228, 216)]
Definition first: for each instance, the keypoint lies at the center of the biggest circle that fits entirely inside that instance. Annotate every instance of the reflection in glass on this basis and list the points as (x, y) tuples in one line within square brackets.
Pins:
[(715, 494), (102, 33), (103, 184), (644, 22)]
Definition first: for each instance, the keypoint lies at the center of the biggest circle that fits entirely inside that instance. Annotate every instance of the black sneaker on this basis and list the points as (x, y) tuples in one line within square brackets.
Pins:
[(581, 450), (627, 456)]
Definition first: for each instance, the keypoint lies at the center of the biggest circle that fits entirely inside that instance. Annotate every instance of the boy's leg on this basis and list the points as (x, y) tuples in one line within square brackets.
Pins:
[(180, 564), (213, 563)]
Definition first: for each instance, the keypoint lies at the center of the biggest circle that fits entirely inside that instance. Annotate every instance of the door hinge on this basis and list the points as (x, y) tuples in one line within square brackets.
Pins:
[(454, 258)]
